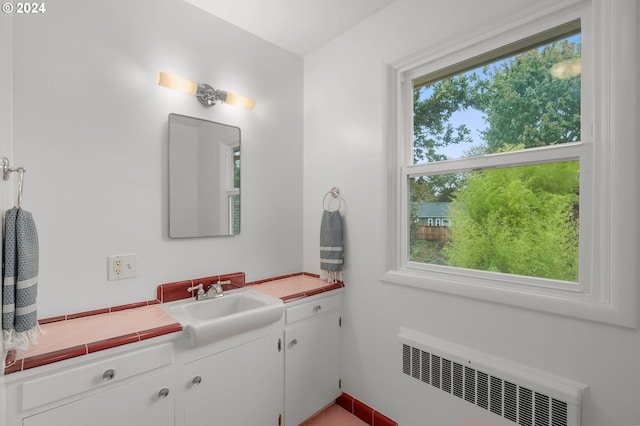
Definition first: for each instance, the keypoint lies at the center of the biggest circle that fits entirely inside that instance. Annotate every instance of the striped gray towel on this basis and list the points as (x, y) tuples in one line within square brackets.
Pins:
[(19, 281), (331, 250)]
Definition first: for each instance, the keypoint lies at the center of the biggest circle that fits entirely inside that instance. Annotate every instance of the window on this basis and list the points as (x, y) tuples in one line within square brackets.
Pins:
[(516, 215), (497, 143)]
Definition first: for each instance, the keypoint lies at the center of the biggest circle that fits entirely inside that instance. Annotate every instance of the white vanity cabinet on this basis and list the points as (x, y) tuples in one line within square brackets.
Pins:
[(112, 387), (276, 375), (239, 386), (312, 356)]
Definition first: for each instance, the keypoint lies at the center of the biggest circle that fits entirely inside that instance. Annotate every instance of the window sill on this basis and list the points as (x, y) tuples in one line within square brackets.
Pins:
[(571, 304)]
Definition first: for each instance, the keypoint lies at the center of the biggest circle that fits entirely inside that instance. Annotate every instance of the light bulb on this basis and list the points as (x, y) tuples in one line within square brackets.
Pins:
[(177, 83)]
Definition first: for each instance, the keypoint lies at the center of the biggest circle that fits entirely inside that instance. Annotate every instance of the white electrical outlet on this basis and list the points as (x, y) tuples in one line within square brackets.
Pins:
[(122, 266)]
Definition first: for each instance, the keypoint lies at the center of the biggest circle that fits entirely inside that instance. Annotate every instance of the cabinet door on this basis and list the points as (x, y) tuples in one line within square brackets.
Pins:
[(137, 403), (312, 366), (242, 386)]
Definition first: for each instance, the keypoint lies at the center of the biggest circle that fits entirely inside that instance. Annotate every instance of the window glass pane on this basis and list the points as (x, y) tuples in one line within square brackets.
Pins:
[(528, 100), (236, 168), (518, 220)]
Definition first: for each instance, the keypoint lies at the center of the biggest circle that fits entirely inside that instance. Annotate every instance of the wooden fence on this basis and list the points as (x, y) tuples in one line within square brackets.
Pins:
[(433, 233)]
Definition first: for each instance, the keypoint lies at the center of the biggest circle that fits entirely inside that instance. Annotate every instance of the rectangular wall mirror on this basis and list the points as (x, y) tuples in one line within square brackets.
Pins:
[(204, 178)]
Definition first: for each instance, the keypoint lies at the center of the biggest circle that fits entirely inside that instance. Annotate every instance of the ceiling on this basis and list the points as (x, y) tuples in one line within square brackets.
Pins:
[(300, 26)]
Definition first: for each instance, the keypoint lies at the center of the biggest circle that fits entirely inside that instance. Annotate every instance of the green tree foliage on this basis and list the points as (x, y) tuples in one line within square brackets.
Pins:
[(518, 221), (433, 107), (525, 103), (433, 131)]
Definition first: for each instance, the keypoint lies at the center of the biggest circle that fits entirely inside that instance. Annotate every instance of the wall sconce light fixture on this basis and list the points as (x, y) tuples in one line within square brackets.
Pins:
[(207, 95)]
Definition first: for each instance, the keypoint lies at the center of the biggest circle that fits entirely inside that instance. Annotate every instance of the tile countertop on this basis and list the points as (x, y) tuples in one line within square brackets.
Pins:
[(294, 287), (69, 336)]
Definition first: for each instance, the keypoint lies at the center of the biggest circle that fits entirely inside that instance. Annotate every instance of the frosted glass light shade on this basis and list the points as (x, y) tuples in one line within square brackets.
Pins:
[(567, 69), (177, 83), (239, 100)]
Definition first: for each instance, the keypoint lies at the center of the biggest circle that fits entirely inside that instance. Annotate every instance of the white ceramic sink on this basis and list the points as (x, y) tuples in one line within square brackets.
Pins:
[(237, 312)]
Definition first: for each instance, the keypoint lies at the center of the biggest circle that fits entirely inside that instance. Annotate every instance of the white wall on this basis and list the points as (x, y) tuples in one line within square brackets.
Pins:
[(90, 127), (346, 132), (6, 52), (6, 76)]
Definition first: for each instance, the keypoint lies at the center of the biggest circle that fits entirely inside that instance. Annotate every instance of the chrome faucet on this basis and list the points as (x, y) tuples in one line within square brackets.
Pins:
[(214, 291)]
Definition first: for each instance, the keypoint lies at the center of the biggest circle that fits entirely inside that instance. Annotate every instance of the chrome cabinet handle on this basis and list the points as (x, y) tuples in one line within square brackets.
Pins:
[(196, 380), (109, 375), (317, 309), (164, 392), (293, 343)]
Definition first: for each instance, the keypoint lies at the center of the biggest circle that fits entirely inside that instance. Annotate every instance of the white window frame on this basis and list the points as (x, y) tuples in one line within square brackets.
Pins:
[(596, 297)]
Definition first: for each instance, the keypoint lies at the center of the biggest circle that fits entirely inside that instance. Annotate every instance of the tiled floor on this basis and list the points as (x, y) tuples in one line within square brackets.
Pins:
[(334, 416)]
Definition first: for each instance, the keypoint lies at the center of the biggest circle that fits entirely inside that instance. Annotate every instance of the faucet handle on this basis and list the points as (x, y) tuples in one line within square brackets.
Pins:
[(196, 287)]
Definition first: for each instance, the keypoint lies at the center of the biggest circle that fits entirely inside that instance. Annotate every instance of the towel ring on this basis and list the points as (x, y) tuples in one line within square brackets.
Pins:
[(5, 165), (335, 193)]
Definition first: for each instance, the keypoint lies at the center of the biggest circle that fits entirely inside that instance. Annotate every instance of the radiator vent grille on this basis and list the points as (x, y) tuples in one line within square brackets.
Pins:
[(506, 399)]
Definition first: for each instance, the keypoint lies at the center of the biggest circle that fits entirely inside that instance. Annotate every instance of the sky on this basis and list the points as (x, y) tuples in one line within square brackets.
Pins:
[(474, 120)]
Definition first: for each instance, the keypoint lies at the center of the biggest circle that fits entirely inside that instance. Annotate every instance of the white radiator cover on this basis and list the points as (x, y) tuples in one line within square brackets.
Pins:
[(446, 384)]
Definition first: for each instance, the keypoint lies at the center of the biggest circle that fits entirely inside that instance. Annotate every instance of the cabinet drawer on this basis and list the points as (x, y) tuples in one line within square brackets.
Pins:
[(136, 403), (313, 308), (95, 375)]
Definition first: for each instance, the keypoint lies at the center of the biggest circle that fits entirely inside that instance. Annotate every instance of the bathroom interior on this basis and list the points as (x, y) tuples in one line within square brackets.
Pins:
[(82, 112)]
